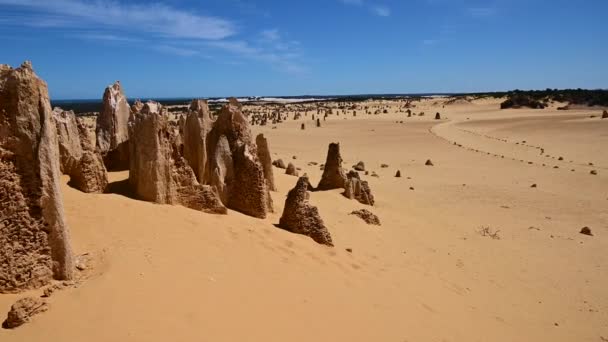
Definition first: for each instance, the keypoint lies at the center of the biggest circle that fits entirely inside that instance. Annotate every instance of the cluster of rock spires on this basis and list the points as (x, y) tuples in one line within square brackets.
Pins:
[(302, 218), (157, 171), (78, 157), (200, 163), (334, 178), (216, 164)]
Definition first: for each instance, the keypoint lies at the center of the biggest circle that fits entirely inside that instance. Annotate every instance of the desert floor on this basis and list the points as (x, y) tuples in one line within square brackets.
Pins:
[(163, 273)]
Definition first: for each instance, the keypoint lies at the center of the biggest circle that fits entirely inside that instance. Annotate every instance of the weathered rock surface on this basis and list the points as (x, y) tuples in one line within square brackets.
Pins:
[(112, 128), (302, 218), (77, 157), (265, 159), (291, 170), (360, 166), (23, 310), (235, 163), (333, 174), (68, 137), (158, 173), (196, 127), (367, 216), (89, 174), (357, 189), (250, 194), (279, 163), (34, 237)]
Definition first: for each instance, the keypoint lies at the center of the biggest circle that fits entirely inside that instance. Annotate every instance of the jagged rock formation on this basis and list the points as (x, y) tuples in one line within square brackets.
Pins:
[(291, 170), (34, 237), (86, 135), (360, 166), (77, 156), (112, 129), (333, 174), (234, 167), (357, 189), (265, 159), (302, 218), (23, 310), (197, 125), (367, 216), (605, 115), (428, 163), (158, 173)]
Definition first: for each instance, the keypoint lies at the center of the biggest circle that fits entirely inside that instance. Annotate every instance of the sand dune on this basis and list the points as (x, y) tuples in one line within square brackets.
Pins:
[(159, 273)]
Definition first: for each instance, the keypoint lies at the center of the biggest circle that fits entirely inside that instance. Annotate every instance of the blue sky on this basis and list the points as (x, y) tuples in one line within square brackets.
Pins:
[(187, 48)]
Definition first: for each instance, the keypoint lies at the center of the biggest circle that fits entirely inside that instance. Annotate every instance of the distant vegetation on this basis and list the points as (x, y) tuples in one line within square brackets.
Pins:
[(541, 98)]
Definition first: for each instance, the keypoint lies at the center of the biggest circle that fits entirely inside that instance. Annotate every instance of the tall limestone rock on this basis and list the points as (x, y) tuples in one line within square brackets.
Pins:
[(34, 237), (112, 128), (266, 160), (233, 165), (158, 173), (68, 137), (333, 175), (195, 130)]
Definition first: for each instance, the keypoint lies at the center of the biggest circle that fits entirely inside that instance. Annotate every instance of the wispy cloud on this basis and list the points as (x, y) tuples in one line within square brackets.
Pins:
[(153, 18), (481, 11), (106, 37), (272, 35), (285, 61), (176, 31), (382, 11), (429, 42), (379, 10), (179, 51)]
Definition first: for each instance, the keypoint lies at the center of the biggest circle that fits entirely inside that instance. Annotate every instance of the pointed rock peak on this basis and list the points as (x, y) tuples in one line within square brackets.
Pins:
[(302, 218), (234, 102), (333, 174), (27, 65), (201, 107)]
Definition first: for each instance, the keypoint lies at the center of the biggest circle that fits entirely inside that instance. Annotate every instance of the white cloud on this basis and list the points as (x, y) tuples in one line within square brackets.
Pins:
[(173, 31), (177, 50), (382, 11), (379, 10), (153, 18), (271, 35), (284, 61), (106, 37)]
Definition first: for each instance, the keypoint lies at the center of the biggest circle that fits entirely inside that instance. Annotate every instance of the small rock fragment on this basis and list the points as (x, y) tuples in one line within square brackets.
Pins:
[(23, 310), (367, 216)]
